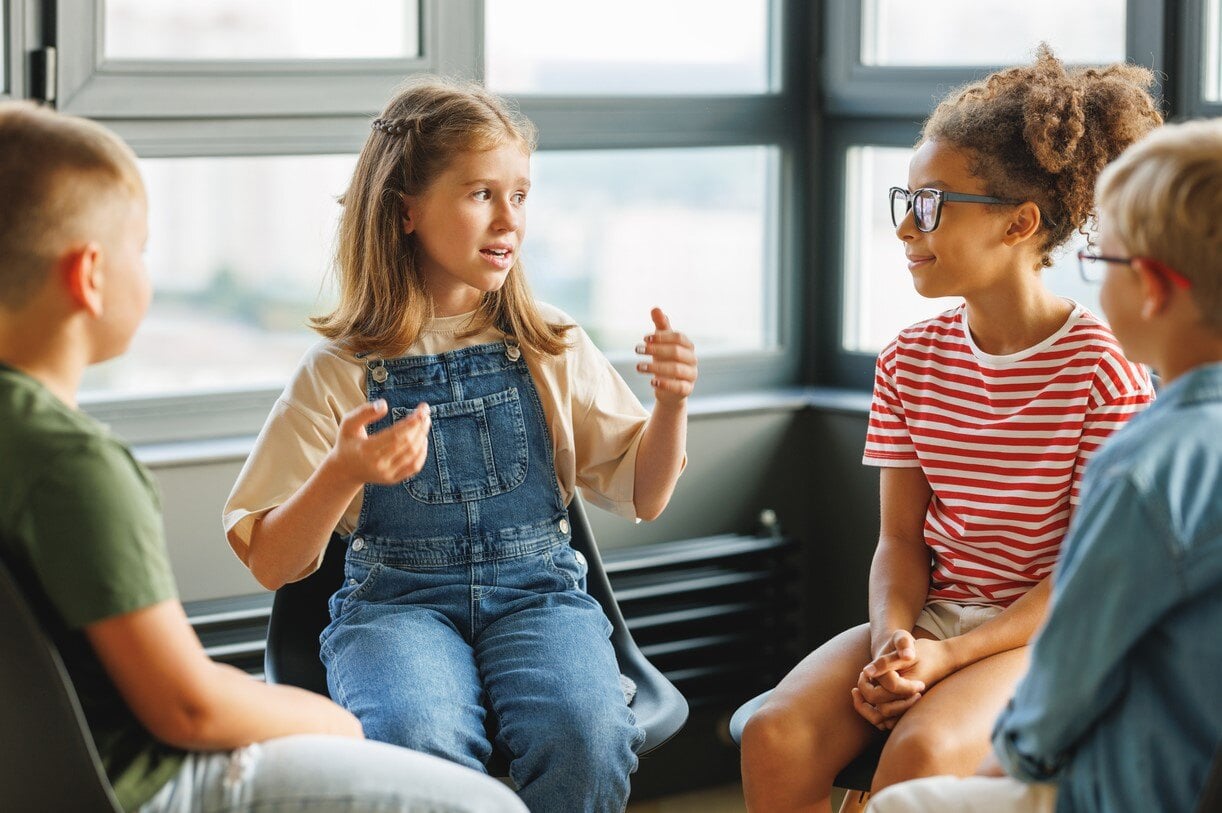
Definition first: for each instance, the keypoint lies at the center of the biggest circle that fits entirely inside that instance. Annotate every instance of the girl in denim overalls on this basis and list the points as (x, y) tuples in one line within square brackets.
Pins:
[(442, 429)]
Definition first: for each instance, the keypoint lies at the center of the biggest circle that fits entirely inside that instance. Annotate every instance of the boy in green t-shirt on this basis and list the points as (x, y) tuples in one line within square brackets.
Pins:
[(80, 524)]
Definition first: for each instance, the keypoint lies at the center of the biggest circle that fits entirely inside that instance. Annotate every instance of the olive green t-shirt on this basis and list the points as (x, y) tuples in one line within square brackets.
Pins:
[(80, 527)]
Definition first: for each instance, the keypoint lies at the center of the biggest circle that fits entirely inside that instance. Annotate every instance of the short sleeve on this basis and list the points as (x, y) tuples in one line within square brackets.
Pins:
[(888, 442), (98, 539), (291, 446), (608, 424), (1121, 390)]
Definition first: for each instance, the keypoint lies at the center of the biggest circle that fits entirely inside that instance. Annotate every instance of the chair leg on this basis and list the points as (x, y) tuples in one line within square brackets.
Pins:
[(854, 801)]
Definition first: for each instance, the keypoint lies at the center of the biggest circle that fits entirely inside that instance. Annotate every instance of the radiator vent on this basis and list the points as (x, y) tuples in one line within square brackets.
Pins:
[(715, 614)]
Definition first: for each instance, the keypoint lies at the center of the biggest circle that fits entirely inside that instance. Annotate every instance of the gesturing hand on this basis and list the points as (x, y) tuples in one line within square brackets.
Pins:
[(386, 457), (673, 361)]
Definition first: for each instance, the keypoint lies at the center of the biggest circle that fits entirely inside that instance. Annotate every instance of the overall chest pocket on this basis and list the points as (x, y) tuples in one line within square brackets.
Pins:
[(477, 449)]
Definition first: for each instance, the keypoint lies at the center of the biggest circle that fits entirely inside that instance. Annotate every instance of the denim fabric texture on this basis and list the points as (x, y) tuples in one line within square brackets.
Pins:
[(1120, 706), (462, 595)]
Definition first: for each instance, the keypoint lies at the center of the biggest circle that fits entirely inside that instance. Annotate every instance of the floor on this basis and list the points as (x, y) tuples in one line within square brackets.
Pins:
[(727, 799)]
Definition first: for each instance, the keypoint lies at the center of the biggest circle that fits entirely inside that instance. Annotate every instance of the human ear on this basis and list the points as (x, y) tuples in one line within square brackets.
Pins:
[(82, 273), (405, 214), (1023, 224), (1155, 289)]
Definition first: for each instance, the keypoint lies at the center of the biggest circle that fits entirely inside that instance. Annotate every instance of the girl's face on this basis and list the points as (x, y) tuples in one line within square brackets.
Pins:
[(469, 225), (965, 252)]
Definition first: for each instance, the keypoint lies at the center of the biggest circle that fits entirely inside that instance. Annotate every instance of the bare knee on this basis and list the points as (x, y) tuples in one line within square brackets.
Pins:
[(916, 751), (775, 738)]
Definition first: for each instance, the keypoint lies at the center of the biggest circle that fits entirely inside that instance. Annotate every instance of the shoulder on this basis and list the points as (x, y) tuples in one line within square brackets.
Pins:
[(1092, 344), (938, 336), (329, 381), (554, 315)]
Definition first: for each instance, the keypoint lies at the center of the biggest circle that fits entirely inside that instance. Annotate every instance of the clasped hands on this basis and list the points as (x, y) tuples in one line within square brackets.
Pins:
[(899, 676)]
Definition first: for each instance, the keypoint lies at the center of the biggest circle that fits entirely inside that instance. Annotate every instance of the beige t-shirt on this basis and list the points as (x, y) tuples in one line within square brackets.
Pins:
[(595, 421)]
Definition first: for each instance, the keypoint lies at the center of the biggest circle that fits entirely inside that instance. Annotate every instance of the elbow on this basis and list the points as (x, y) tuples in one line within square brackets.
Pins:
[(649, 511), (187, 722), (265, 575)]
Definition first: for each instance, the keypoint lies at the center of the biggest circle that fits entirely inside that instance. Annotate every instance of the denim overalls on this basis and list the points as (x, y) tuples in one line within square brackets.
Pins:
[(461, 590)]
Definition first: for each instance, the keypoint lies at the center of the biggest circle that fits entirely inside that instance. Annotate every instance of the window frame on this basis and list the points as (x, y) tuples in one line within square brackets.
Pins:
[(1192, 34), (12, 31), (853, 89), (195, 125), (89, 84)]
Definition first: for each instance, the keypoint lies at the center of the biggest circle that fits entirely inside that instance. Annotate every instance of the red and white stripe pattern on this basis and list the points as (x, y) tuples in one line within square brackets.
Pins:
[(1002, 441)]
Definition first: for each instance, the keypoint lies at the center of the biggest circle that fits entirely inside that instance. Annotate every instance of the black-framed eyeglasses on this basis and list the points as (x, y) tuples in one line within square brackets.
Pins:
[(926, 205), (1093, 267)]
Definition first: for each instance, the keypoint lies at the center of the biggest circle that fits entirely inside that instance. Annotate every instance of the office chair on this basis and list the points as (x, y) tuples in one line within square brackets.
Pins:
[(299, 614), (48, 760), (856, 777)]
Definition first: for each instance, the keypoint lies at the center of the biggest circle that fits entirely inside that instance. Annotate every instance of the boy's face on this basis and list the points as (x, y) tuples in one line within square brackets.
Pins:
[(126, 288), (1121, 295)]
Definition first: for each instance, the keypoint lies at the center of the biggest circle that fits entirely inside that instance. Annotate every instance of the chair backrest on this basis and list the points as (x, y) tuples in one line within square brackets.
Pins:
[(48, 760), (299, 615)]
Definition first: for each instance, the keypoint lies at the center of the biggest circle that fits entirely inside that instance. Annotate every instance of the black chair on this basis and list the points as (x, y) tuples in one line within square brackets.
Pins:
[(855, 778), (299, 614), (48, 760)]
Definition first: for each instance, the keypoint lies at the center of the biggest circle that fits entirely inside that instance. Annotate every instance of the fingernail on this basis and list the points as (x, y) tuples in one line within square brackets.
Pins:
[(649, 338), (869, 671), (654, 383), (642, 367)]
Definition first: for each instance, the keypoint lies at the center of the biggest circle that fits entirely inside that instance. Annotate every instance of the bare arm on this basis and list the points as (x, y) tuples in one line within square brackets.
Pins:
[(899, 574), (286, 540), (185, 699), (659, 456), (1011, 628)]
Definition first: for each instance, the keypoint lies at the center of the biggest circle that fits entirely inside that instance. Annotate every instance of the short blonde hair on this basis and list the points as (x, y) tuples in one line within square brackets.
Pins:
[(1163, 198), (56, 173)]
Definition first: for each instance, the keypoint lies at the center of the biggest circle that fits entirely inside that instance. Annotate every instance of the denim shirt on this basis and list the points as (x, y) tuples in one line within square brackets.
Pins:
[(1122, 705)]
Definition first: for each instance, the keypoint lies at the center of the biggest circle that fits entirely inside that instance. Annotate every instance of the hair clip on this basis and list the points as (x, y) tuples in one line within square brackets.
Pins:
[(391, 126)]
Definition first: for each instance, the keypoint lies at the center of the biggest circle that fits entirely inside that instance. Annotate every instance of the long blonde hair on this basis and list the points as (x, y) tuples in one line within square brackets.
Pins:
[(383, 300)]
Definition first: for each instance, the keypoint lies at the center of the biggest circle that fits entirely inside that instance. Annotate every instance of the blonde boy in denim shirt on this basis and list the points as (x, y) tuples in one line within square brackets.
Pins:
[(1120, 708)]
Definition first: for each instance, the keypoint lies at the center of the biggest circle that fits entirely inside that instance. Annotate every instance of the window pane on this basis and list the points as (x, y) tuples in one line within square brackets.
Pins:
[(237, 252), (614, 233), (990, 32), (630, 47), (1212, 32), (269, 29), (879, 299)]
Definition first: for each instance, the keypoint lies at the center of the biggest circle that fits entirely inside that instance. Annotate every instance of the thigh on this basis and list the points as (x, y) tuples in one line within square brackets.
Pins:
[(548, 664), (951, 794), (407, 674), (948, 729), (816, 695), (314, 772)]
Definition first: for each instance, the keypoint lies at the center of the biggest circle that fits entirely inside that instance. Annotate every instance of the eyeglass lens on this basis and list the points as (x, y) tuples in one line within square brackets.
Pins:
[(924, 207)]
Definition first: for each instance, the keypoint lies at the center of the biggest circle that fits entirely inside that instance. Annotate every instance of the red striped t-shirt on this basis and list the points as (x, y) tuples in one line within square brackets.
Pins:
[(1002, 441)]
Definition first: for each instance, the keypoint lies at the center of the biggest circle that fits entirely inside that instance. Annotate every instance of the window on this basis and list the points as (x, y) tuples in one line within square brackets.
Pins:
[(1211, 37), (632, 47), (238, 251), (890, 57), (613, 233), (665, 175), (988, 32), (268, 30)]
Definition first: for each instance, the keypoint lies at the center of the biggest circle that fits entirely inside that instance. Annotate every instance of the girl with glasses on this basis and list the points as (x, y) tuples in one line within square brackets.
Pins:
[(982, 420)]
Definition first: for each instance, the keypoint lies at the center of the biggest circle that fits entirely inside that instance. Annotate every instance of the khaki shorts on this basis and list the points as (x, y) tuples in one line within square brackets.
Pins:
[(952, 794), (948, 619)]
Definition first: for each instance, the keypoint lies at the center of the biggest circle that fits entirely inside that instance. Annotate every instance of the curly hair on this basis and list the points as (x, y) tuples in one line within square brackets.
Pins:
[(1043, 133)]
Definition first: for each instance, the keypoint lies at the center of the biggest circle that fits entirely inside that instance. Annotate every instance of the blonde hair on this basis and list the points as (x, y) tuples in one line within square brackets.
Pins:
[(1163, 199), (57, 172), (383, 300), (1042, 133)]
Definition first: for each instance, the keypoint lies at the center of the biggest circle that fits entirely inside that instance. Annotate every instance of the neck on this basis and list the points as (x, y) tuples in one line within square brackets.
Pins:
[(1007, 320), (56, 361), (1184, 353)]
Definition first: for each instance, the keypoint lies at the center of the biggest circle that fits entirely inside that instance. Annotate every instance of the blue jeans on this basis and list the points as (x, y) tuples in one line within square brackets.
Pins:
[(418, 654), (328, 775)]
